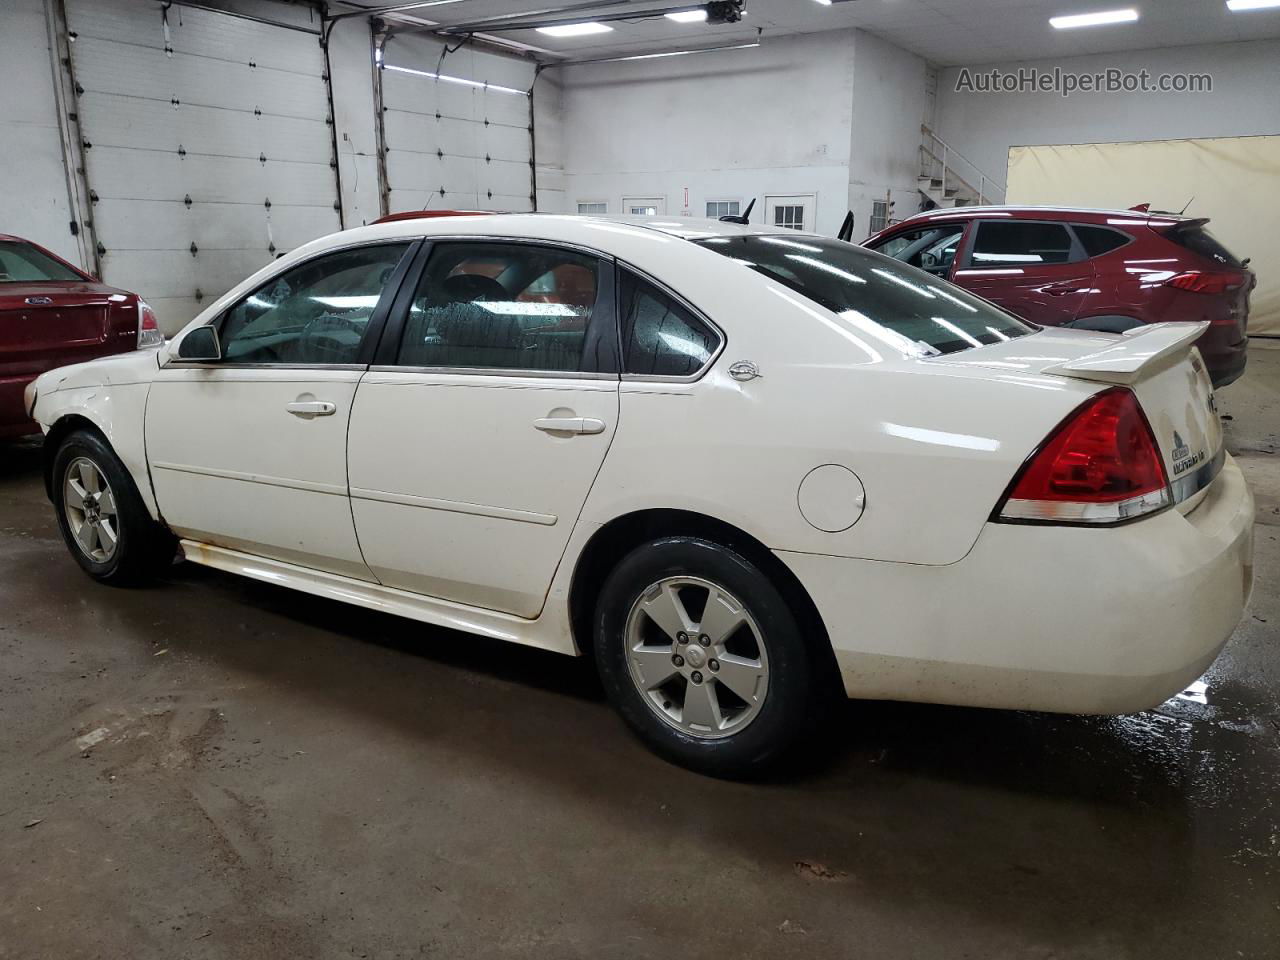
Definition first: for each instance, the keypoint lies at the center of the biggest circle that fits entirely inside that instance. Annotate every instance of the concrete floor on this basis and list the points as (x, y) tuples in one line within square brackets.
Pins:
[(219, 768)]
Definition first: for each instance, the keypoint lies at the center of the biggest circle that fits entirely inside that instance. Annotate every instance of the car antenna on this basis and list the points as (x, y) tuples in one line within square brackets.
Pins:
[(846, 228), (743, 218), (1189, 203)]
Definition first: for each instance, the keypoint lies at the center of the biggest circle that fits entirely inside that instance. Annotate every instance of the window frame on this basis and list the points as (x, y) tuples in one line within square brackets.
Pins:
[(604, 314), (373, 329), (710, 200), (1078, 253), (721, 337)]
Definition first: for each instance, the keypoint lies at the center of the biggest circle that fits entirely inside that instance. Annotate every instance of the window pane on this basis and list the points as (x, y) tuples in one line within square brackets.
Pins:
[(723, 208), (790, 216), (1021, 243), (661, 337), (931, 248), (23, 263), (593, 209), (504, 306), (1099, 240), (315, 313), (917, 313)]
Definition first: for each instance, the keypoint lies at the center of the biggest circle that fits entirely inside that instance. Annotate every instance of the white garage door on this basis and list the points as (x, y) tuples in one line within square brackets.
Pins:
[(207, 147), (456, 132)]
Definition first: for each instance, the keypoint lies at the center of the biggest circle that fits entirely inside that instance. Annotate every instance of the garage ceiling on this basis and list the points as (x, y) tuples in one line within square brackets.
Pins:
[(946, 32)]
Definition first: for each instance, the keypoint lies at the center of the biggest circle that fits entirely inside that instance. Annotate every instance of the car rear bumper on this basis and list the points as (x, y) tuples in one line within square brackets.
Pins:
[(14, 421), (1225, 351), (1064, 619)]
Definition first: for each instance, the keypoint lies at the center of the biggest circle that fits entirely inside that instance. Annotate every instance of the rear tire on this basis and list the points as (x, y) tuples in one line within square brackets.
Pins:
[(101, 514), (704, 659)]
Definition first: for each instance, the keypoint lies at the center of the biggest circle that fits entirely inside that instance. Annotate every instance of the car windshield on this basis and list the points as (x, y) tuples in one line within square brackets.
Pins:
[(23, 263), (927, 316)]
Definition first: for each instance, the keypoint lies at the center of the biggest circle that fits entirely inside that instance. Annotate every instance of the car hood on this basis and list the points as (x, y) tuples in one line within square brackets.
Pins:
[(138, 366)]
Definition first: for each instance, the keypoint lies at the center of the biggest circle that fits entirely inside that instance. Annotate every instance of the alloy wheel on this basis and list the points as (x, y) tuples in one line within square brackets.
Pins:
[(90, 509), (697, 657)]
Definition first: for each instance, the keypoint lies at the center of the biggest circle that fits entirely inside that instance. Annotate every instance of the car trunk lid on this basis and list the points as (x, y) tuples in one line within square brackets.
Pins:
[(43, 325)]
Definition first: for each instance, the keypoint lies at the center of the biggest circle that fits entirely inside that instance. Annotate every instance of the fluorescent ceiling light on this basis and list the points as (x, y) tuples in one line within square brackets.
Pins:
[(825, 3), (1127, 15), (575, 29), (1238, 5), (697, 16), (671, 53)]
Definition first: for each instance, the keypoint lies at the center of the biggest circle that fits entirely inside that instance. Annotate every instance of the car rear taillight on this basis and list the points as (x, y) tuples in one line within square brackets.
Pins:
[(1196, 282), (149, 334), (1101, 465)]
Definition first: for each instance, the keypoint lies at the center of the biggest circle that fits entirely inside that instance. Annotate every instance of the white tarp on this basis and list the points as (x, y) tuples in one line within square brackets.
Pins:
[(1235, 181)]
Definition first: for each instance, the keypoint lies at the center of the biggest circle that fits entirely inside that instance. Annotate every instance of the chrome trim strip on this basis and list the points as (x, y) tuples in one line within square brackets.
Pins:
[(454, 506), (1188, 485), (309, 486), (219, 365), (494, 372)]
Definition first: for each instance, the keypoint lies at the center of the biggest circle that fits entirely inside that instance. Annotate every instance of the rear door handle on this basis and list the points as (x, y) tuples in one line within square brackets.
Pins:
[(311, 408), (583, 425)]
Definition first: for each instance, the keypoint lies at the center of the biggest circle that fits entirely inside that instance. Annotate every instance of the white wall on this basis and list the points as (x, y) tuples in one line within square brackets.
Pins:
[(730, 125), (351, 63), (890, 102), (549, 141), (34, 199), (1246, 79)]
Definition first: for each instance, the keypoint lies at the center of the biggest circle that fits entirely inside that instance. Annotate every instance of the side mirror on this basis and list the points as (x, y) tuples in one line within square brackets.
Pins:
[(200, 344)]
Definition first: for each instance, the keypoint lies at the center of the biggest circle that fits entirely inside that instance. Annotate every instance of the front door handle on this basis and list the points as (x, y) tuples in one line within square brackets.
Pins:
[(311, 408), (581, 425)]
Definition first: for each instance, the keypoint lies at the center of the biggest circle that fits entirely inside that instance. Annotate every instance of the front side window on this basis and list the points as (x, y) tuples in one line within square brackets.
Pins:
[(316, 313), (660, 336), (23, 263), (503, 306), (929, 248), (1020, 243), (917, 313)]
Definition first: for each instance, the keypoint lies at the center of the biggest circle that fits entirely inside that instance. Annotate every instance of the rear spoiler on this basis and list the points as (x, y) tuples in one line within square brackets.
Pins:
[(1139, 351)]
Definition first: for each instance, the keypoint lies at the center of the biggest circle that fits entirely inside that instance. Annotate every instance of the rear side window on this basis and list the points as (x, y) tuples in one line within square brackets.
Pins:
[(502, 306), (1199, 240), (919, 314), (1020, 243), (1099, 240), (660, 336), (23, 263)]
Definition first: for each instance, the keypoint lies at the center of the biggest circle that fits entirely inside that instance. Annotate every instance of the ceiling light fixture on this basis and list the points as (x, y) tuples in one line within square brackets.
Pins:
[(575, 29), (1128, 15), (1236, 6), (700, 15)]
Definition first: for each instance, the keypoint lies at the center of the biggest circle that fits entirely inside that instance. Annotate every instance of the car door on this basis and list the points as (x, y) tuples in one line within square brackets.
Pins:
[(1035, 269), (249, 452), (476, 436)]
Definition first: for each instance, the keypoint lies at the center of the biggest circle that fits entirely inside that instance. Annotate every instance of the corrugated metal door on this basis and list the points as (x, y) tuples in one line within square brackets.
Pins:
[(455, 127), (207, 146)]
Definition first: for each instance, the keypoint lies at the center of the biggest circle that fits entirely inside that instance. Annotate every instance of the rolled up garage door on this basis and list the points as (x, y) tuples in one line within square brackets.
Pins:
[(206, 142), (455, 127)]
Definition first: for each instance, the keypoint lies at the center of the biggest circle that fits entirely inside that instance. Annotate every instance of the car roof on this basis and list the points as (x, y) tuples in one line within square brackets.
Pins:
[(1047, 212)]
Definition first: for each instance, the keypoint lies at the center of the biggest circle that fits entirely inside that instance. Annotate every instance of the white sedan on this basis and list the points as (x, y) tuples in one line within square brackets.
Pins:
[(745, 468)]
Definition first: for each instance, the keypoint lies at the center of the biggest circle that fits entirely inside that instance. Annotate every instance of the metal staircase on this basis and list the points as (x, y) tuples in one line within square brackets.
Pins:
[(950, 179)]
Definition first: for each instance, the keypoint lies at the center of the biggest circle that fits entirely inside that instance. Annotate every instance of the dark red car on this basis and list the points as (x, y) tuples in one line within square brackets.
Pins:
[(53, 314), (1092, 269)]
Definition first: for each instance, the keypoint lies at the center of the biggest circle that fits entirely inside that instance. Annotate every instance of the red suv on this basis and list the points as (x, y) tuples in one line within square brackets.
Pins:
[(1092, 269), (52, 314)]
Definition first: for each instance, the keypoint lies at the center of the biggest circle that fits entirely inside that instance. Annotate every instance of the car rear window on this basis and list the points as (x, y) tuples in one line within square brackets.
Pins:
[(865, 287), (23, 263), (1199, 240)]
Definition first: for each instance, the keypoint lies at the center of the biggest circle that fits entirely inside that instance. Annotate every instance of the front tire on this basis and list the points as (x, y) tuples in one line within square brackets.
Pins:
[(704, 658), (101, 514)]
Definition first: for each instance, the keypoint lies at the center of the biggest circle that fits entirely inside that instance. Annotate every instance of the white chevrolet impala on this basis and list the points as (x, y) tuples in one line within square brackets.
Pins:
[(744, 468)]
